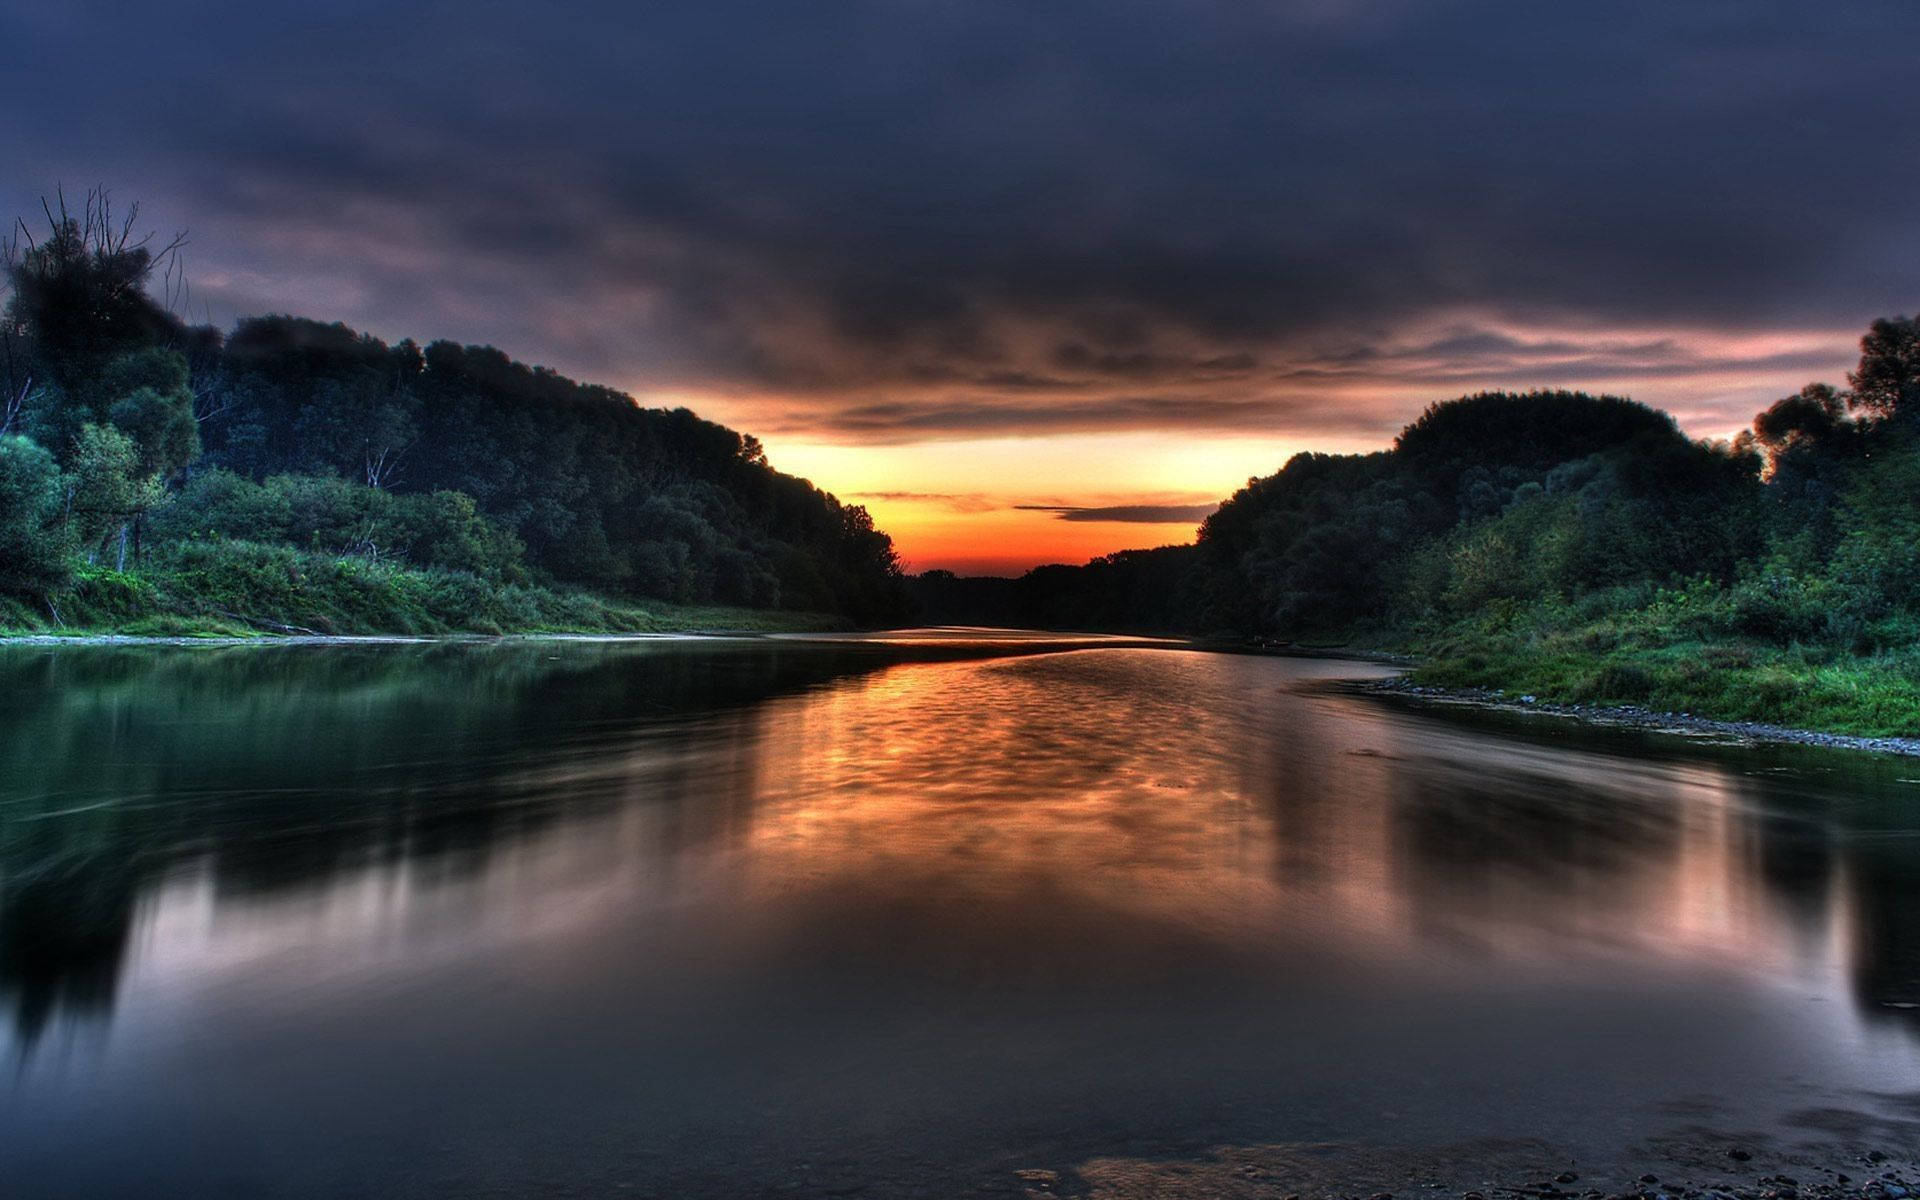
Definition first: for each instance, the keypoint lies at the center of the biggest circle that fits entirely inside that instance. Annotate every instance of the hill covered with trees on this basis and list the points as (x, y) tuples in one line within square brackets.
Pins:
[(1570, 546), (295, 474)]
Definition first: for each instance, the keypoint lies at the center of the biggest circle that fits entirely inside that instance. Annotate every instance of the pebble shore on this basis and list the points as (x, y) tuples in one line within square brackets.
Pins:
[(1629, 716)]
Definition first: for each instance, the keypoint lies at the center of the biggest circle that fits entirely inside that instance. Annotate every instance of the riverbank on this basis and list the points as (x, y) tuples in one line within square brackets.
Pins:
[(1677, 658), (1641, 674), (1627, 716), (320, 597), (718, 630)]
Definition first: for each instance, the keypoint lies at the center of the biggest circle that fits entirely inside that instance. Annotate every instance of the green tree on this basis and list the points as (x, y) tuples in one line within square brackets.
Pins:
[(150, 399), (108, 492), (488, 465), (35, 546), (1887, 381)]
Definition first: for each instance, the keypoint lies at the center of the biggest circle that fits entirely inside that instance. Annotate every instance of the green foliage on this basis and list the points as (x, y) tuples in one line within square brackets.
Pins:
[(151, 401), (105, 595), (439, 529), (1773, 602), (331, 441), (108, 487), (1581, 548), (302, 475), (35, 548), (1877, 560), (1887, 381), (235, 588), (1678, 657), (1487, 500), (598, 490), (1531, 549), (127, 428)]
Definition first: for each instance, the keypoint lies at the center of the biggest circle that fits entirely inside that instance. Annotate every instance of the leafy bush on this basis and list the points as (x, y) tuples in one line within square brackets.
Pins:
[(1618, 683), (441, 529), (1774, 603), (35, 543)]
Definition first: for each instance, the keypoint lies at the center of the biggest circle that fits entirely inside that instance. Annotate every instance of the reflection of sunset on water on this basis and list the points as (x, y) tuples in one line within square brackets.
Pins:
[(965, 882), (1183, 805), (1190, 809)]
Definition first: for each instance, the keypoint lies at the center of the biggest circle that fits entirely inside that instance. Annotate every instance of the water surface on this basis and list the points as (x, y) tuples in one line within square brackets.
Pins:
[(908, 914)]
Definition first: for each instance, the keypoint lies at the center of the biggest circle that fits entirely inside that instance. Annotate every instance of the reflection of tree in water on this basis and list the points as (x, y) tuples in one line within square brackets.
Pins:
[(1886, 931), (1857, 825), (62, 940), (1798, 860), (1478, 841), (281, 768), (284, 767), (1485, 842)]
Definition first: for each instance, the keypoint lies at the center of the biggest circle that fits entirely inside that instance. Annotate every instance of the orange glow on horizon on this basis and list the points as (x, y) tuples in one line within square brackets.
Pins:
[(955, 501), (957, 505)]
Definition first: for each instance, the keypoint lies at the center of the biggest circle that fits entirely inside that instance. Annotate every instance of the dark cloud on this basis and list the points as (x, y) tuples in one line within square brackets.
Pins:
[(959, 502), (882, 220), (983, 415), (1138, 514)]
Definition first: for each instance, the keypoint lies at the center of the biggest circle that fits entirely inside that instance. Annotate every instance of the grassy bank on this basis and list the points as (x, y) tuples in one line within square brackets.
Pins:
[(1677, 653), (245, 591)]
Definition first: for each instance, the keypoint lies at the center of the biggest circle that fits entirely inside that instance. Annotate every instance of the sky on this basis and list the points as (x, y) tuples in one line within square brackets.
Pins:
[(1031, 279)]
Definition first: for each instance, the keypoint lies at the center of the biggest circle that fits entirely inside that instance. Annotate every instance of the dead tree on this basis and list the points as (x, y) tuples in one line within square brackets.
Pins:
[(17, 385), (382, 463)]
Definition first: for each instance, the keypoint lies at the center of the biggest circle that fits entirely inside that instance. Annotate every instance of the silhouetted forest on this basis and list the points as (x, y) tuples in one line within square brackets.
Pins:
[(1575, 545), (1486, 497), (130, 439)]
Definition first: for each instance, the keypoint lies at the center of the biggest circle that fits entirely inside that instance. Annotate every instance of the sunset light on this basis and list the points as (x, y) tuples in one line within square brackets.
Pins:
[(918, 600)]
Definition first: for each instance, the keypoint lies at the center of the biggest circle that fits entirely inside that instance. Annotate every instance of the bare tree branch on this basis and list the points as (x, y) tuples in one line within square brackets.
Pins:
[(383, 464), (212, 398), (14, 401)]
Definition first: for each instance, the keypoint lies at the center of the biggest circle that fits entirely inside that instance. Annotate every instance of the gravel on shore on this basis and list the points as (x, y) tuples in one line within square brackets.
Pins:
[(1749, 733)]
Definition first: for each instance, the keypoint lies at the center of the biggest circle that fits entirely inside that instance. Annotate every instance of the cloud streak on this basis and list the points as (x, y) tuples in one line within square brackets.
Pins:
[(1133, 514)]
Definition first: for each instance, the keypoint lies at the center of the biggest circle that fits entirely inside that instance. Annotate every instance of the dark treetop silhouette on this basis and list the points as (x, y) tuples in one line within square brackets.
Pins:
[(133, 438)]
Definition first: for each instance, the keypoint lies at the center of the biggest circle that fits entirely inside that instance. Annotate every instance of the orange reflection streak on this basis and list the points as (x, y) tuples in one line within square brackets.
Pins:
[(1195, 813), (1107, 811), (712, 892)]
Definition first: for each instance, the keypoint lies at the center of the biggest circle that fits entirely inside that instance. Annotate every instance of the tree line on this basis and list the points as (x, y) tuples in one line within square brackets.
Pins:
[(131, 438), (1803, 528)]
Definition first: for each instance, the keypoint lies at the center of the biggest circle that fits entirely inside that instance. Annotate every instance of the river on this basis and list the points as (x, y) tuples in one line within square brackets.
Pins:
[(904, 915)]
